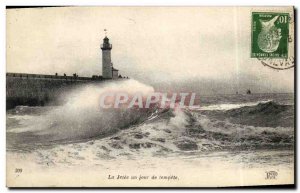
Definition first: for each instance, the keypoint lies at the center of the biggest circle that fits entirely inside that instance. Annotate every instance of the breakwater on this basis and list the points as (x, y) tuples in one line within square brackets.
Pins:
[(39, 89)]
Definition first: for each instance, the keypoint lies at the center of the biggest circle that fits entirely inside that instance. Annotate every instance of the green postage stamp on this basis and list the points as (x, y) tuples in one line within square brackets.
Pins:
[(270, 33)]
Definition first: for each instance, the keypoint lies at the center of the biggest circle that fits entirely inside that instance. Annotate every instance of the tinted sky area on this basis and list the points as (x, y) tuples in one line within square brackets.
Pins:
[(206, 50)]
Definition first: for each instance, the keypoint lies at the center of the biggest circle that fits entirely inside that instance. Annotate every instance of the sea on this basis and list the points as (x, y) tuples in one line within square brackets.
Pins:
[(229, 133)]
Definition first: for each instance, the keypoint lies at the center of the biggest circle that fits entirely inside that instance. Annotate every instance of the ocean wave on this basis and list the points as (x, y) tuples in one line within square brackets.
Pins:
[(80, 122), (182, 131), (79, 118), (166, 131), (266, 114), (227, 106)]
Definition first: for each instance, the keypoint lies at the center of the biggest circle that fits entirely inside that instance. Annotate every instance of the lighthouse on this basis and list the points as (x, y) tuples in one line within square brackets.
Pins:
[(106, 47)]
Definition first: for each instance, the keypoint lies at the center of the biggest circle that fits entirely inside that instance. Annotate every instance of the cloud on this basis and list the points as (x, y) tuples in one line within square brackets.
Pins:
[(155, 45)]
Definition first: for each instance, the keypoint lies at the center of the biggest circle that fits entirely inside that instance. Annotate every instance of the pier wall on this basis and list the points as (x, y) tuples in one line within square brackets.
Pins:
[(39, 90)]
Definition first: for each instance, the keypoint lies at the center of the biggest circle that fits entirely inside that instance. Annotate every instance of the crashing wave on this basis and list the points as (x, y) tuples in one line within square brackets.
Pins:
[(266, 114)]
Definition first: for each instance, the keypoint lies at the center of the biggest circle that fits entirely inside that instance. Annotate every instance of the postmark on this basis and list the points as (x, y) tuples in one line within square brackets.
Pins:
[(277, 63), (271, 39)]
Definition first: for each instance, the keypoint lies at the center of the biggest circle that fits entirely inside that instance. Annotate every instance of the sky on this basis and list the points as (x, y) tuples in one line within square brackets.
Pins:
[(201, 48)]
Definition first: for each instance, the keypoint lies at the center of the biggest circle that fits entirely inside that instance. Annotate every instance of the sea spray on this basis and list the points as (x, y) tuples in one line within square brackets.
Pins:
[(80, 117), (153, 131)]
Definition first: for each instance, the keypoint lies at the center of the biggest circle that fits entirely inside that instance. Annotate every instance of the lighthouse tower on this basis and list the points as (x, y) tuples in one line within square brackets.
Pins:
[(106, 59)]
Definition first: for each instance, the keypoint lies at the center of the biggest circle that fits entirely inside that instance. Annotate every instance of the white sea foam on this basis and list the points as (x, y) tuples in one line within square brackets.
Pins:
[(81, 115), (226, 106)]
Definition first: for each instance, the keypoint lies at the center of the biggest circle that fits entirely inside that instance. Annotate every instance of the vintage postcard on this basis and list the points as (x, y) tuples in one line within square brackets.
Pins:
[(150, 96)]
